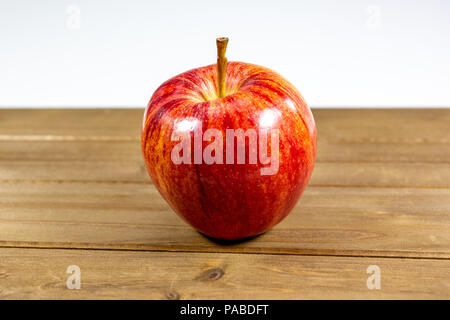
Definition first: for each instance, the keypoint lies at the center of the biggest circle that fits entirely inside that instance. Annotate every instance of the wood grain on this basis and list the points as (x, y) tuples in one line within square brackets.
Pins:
[(356, 174), (328, 220), (105, 148), (70, 122), (41, 274)]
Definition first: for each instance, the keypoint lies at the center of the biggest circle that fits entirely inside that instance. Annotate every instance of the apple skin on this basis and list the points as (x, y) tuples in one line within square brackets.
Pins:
[(230, 201)]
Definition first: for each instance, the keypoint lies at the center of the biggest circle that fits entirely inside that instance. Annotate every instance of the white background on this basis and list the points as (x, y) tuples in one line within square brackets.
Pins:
[(116, 53)]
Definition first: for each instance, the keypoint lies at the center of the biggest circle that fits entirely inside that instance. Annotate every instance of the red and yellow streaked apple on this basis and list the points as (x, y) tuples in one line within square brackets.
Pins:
[(229, 199)]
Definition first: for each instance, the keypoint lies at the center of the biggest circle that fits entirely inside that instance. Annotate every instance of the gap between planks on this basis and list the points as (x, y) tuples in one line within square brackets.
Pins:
[(228, 250)]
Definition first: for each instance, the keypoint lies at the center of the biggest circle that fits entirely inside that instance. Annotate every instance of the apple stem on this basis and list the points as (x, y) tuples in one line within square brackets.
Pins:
[(221, 65)]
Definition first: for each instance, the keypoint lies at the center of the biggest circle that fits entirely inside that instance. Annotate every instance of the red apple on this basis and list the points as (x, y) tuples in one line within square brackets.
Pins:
[(219, 194)]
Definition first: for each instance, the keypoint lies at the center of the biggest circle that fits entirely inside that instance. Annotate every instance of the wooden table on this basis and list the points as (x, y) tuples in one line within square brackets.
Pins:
[(74, 191)]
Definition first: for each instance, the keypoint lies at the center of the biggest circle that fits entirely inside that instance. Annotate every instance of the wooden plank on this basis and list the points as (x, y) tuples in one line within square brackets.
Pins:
[(70, 122), (41, 274), (381, 174), (388, 175), (425, 125), (341, 152), (344, 125), (52, 151), (383, 135), (75, 170), (130, 149), (328, 220)]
